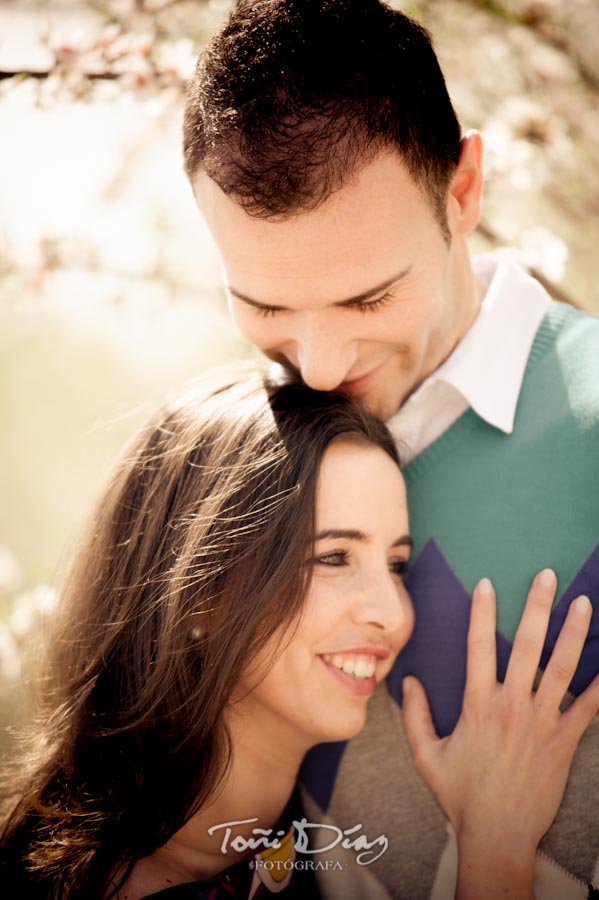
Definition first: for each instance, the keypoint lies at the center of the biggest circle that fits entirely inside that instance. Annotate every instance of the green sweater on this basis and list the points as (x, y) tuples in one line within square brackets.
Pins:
[(483, 503)]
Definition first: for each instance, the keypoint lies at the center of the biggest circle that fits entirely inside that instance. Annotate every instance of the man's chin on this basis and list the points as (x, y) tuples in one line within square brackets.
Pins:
[(281, 371), (383, 407)]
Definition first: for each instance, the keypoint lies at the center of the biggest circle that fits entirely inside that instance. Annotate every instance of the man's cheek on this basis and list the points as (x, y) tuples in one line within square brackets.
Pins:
[(268, 334), (246, 324)]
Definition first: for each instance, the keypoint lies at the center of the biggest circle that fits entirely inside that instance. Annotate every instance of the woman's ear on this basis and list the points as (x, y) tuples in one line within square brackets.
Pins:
[(465, 191)]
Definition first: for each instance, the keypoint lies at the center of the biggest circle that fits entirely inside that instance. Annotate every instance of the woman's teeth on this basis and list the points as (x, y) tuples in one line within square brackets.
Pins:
[(362, 667)]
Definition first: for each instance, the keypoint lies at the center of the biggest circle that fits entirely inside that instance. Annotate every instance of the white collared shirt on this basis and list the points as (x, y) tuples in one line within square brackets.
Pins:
[(486, 369)]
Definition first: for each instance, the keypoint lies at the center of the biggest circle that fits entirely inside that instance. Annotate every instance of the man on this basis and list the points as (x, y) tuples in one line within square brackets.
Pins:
[(328, 162)]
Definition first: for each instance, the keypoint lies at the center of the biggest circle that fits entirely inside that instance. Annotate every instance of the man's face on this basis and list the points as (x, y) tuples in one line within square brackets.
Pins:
[(363, 294)]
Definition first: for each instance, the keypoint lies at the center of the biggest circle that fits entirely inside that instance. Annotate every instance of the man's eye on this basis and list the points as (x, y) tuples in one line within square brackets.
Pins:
[(399, 567), (267, 312), (334, 558), (372, 305)]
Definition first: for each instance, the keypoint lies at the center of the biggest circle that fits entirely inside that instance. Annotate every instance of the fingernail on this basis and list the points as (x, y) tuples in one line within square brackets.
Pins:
[(546, 578), (407, 685), (581, 606), (485, 587)]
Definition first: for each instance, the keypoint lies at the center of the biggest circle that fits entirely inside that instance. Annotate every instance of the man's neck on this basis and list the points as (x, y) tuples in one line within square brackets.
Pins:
[(472, 291)]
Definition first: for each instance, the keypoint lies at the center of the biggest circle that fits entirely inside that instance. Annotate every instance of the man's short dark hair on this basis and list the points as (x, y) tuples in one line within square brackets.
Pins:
[(291, 97)]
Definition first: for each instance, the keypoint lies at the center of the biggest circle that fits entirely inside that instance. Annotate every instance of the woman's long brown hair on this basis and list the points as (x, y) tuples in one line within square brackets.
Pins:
[(195, 557)]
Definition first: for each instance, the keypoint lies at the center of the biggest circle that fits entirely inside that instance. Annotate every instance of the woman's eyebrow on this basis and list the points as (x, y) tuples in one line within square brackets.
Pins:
[(351, 534)]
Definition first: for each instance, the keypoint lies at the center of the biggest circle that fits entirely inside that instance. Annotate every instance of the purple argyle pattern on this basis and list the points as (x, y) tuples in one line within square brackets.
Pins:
[(585, 582), (436, 653)]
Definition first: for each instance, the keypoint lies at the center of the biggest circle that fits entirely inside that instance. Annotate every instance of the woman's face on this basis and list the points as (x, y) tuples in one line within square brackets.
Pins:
[(357, 614)]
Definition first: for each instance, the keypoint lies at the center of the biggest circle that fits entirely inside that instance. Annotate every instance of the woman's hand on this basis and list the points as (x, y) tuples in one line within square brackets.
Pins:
[(500, 776)]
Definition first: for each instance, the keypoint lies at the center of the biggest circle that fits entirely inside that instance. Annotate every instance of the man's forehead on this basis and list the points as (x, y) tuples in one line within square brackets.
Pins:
[(361, 237)]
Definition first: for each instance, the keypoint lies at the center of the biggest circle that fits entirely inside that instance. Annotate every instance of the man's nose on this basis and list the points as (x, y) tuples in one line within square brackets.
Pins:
[(325, 355)]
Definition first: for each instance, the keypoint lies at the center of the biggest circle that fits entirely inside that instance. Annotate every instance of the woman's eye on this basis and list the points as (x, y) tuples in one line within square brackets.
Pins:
[(334, 558), (399, 567)]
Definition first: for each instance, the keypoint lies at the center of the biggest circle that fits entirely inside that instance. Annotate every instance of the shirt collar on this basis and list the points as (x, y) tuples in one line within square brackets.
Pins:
[(487, 366)]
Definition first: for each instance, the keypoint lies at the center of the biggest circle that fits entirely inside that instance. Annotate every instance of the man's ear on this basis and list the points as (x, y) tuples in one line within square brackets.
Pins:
[(466, 185)]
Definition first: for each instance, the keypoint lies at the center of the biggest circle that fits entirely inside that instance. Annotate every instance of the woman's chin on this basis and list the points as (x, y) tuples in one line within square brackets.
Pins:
[(340, 730)]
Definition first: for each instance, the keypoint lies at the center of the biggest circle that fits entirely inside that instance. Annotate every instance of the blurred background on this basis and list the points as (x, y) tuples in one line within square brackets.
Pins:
[(109, 286)]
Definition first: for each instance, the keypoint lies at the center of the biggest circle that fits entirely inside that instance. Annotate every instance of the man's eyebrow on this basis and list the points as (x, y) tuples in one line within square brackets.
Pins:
[(351, 301), (353, 535)]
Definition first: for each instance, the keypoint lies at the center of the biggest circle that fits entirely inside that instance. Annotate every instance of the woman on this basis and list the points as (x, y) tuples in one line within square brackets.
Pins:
[(237, 599)]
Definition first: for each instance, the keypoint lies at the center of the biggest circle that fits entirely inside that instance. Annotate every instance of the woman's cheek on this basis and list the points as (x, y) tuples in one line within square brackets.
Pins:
[(404, 632)]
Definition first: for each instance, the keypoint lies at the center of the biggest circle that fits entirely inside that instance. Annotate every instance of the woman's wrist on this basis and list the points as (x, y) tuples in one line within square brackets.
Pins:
[(496, 866)]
